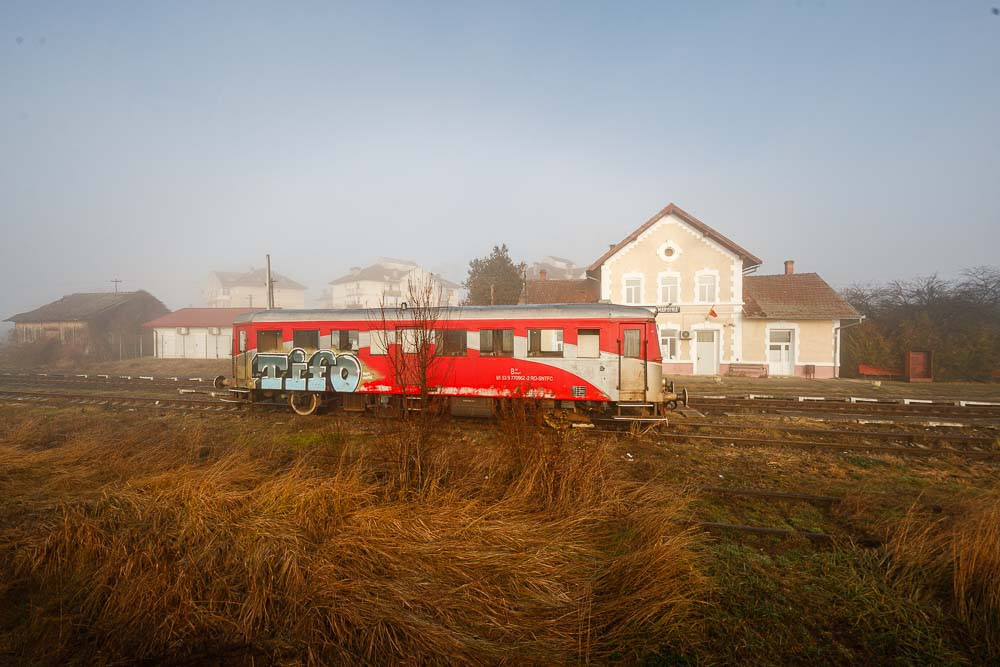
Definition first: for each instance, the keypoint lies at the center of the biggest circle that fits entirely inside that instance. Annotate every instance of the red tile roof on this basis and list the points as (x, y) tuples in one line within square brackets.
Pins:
[(803, 296), (748, 258), (200, 317), (561, 291)]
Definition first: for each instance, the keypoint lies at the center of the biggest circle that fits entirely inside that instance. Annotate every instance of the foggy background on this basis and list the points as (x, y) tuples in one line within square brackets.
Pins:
[(156, 143)]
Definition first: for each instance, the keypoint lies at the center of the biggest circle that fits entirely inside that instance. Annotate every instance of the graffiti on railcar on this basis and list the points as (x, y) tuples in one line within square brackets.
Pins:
[(324, 370)]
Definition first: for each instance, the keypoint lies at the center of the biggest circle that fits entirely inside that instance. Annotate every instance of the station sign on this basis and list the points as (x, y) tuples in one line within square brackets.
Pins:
[(668, 309)]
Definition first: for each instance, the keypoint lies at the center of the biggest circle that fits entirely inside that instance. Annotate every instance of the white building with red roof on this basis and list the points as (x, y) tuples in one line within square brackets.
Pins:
[(195, 333)]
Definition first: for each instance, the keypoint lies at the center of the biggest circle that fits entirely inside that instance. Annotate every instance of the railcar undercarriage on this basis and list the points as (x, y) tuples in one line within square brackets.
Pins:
[(557, 414)]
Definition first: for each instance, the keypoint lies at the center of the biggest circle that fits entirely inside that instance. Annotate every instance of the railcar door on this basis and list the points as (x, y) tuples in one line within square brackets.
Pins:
[(241, 360), (631, 362)]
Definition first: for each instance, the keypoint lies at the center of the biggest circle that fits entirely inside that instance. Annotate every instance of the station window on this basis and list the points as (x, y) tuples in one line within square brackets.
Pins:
[(268, 341), (668, 343), (633, 290), (496, 343), (670, 289), (451, 343), (308, 340), (545, 342), (588, 343), (706, 288), (344, 340)]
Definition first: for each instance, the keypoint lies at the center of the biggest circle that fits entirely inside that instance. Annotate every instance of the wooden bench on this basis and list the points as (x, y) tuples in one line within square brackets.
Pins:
[(747, 370)]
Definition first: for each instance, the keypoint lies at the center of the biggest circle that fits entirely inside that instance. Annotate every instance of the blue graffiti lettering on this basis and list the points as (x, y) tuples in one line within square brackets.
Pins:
[(325, 370)]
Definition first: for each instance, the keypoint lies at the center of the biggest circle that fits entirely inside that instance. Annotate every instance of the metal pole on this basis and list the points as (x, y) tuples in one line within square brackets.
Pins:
[(270, 285)]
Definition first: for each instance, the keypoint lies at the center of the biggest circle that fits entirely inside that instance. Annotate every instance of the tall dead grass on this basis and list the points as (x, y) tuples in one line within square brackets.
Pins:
[(957, 558), (543, 557)]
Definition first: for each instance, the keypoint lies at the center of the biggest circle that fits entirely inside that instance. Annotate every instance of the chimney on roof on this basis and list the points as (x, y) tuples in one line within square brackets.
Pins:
[(543, 274), (611, 246), (789, 267)]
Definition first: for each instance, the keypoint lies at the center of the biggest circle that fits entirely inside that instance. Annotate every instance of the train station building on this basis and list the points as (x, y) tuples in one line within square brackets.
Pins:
[(714, 317)]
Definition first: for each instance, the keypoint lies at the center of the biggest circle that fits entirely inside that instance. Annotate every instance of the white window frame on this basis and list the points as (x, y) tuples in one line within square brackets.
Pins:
[(659, 287), (714, 273), (625, 285), (677, 341), (781, 325)]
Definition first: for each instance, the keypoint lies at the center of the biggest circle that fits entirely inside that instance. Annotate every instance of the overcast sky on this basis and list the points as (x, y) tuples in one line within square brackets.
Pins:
[(152, 142)]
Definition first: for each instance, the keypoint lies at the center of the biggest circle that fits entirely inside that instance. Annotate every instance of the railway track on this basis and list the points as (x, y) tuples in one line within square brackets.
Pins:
[(986, 441), (103, 380), (857, 407), (118, 401), (905, 443)]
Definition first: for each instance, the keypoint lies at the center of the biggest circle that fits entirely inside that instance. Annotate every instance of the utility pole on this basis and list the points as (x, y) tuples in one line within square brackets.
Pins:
[(270, 285), (116, 281)]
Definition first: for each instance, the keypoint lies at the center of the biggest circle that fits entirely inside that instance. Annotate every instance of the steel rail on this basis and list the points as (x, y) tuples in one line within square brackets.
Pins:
[(806, 444), (762, 530), (770, 495), (880, 435), (844, 407), (153, 402)]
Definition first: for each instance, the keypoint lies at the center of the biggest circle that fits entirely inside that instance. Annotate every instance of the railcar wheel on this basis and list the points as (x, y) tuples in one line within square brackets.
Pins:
[(671, 405), (304, 404)]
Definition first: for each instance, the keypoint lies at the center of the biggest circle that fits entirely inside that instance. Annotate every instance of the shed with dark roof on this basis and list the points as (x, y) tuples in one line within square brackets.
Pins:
[(103, 324)]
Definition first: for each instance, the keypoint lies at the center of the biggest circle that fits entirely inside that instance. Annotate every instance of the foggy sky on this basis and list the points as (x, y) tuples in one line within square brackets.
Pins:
[(155, 143)]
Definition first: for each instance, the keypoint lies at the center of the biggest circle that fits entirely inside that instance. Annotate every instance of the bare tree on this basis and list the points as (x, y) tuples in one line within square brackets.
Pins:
[(981, 285), (409, 330)]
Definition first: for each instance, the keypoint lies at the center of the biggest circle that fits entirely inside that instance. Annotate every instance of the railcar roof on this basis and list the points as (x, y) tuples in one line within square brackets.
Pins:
[(526, 312)]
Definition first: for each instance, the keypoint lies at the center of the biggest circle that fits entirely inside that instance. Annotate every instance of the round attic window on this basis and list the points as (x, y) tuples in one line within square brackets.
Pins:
[(669, 251)]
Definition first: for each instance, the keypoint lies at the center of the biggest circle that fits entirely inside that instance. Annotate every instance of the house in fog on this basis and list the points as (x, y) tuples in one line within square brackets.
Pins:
[(387, 282), (195, 333), (104, 325), (555, 268), (229, 289), (713, 317)]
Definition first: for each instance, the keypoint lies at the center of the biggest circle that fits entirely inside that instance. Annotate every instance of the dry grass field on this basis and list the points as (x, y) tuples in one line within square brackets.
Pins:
[(131, 537)]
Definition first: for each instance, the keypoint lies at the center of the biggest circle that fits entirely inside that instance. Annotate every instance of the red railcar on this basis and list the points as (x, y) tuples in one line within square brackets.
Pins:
[(593, 358)]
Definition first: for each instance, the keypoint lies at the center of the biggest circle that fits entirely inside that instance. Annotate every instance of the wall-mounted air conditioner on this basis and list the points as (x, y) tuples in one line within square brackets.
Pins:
[(685, 335)]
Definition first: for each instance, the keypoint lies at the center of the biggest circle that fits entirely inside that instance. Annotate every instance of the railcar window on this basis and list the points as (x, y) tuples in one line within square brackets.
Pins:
[(451, 343), (588, 343), (633, 344), (268, 341), (344, 340), (307, 340), (496, 343), (413, 339), (545, 342), (380, 340)]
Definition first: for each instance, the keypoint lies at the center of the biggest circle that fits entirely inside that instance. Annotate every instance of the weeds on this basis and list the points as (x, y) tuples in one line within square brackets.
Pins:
[(188, 553), (956, 558)]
